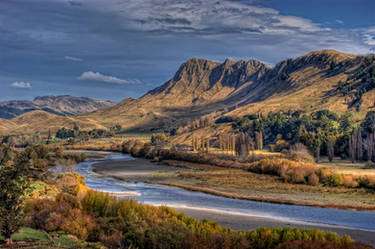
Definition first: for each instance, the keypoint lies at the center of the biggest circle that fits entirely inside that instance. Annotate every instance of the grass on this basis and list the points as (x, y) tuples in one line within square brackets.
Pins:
[(30, 234), (32, 238), (237, 183), (345, 166)]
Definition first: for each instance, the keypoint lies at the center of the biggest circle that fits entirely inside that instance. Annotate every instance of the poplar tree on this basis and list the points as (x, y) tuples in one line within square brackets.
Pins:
[(330, 148)]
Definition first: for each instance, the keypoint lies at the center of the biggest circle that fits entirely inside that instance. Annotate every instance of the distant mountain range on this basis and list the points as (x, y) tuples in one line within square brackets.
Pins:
[(324, 79), (59, 105)]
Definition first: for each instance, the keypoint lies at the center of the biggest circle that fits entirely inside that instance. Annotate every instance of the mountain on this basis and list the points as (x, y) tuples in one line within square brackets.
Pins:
[(324, 79), (59, 105)]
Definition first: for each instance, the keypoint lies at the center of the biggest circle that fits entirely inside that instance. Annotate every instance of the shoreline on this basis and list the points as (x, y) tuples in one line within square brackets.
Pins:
[(268, 200), (142, 170), (233, 220), (247, 222)]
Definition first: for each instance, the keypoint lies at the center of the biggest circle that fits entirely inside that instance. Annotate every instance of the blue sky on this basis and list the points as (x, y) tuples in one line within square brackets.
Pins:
[(114, 49)]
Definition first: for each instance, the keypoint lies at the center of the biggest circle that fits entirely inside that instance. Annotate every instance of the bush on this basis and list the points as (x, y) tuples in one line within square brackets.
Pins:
[(300, 153), (159, 139), (69, 182), (63, 214), (313, 179), (123, 223), (279, 146), (127, 146), (290, 171), (137, 149), (335, 180), (367, 182), (370, 165), (350, 182), (224, 119), (321, 244)]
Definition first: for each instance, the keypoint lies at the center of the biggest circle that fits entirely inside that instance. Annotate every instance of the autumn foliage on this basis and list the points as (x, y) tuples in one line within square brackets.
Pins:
[(124, 223)]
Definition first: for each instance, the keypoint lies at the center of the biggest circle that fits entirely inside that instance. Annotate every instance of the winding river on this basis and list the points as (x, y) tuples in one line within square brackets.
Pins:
[(174, 197)]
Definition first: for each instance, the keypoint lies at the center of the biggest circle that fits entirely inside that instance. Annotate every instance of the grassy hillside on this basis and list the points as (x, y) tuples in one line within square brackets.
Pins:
[(319, 80)]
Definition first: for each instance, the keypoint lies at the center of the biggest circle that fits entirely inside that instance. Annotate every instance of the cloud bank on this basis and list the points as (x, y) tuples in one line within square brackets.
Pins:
[(21, 84), (96, 76)]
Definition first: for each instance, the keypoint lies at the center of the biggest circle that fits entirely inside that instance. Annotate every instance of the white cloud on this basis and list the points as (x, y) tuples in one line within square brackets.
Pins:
[(96, 76), (369, 36), (202, 16), (340, 21), (71, 58), (21, 84), (229, 21)]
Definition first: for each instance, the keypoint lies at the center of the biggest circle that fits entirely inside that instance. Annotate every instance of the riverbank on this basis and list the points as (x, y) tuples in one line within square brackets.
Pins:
[(142, 170), (235, 183), (245, 222)]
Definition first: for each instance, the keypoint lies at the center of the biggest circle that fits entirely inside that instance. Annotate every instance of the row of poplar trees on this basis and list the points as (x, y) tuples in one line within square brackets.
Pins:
[(240, 144)]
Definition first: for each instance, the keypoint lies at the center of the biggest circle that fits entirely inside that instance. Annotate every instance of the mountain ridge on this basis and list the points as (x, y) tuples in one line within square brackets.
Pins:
[(60, 105), (202, 87)]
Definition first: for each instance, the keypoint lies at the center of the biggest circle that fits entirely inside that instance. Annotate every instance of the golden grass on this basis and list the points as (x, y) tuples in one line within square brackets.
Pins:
[(270, 200), (345, 166)]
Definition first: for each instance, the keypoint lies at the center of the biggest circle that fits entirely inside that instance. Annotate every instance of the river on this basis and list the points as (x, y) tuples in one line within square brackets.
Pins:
[(183, 199)]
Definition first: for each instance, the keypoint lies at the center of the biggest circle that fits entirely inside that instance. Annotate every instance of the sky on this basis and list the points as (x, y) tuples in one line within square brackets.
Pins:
[(115, 49)]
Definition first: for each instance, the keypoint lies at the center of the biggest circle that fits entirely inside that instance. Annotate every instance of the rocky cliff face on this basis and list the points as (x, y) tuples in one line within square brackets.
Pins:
[(199, 82), (60, 105)]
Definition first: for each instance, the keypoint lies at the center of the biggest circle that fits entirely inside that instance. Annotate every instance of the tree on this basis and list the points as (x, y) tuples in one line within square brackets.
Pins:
[(368, 124), (159, 139), (14, 185), (352, 146), (259, 140), (64, 133), (356, 145), (370, 146), (242, 145), (359, 145), (76, 130), (49, 137), (330, 148)]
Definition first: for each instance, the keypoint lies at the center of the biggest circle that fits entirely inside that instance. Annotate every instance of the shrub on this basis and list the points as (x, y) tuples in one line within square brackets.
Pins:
[(121, 223), (297, 175), (335, 180), (78, 224), (298, 152), (69, 182), (279, 146), (324, 175), (127, 146), (63, 214), (370, 165), (69, 199), (350, 182), (290, 171), (159, 139), (321, 244), (224, 119), (367, 181), (313, 179), (137, 149), (41, 150), (39, 163)]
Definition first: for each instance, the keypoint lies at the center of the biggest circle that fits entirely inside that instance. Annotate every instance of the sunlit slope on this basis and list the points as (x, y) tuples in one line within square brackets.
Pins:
[(202, 87)]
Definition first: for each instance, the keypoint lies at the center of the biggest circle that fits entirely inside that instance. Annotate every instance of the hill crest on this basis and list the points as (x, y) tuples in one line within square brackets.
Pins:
[(59, 105), (202, 87)]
